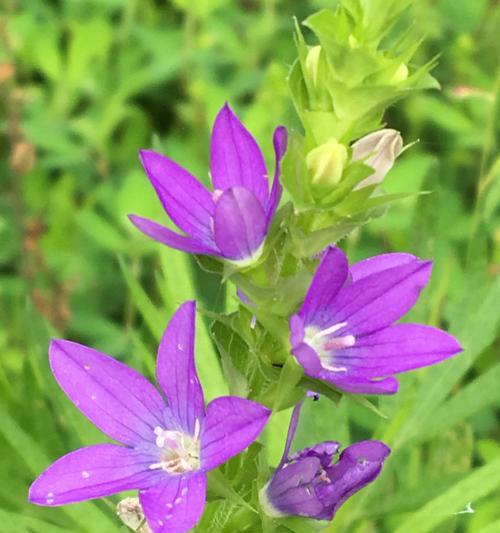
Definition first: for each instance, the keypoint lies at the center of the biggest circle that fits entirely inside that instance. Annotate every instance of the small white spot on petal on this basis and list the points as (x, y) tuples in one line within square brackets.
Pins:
[(180, 346), (184, 491), (50, 500), (160, 522), (177, 501), (93, 396), (168, 505), (85, 474), (87, 366), (168, 517)]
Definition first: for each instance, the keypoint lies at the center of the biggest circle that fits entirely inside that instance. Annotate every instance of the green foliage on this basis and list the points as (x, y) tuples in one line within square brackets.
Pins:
[(85, 85)]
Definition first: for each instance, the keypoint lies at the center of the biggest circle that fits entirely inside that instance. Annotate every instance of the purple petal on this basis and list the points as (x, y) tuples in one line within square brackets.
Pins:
[(231, 425), (117, 399), (324, 451), (291, 492), (378, 263), (184, 198), (176, 504), (176, 370), (379, 299), (279, 142), (397, 349), (93, 472), (330, 276), (170, 238), (239, 224), (235, 157), (359, 385), (358, 465)]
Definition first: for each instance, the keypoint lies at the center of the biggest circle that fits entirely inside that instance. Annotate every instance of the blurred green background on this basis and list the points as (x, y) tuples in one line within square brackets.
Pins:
[(84, 85)]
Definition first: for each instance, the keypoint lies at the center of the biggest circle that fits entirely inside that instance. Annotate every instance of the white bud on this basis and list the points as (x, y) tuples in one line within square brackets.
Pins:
[(379, 151), (326, 164), (130, 513)]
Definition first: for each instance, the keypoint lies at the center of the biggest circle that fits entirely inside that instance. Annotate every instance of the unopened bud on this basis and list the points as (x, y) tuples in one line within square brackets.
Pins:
[(377, 150), (312, 62), (326, 164), (400, 75), (130, 513)]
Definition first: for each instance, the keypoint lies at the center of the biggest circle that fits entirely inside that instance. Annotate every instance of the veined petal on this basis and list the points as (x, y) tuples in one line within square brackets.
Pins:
[(231, 425), (170, 238), (93, 472), (377, 263), (239, 224), (176, 504), (118, 400), (290, 490), (329, 278), (235, 157), (397, 349), (359, 385), (379, 299), (176, 370), (280, 143), (188, 203), (358, 465)]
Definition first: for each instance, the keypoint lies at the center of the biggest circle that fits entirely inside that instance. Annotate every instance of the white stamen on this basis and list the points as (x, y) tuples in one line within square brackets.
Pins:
[(330, 330)]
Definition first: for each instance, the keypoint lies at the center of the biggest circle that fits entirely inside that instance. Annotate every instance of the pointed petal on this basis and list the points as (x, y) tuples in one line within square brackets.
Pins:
[(176, 504), (358, 465), (280, 143), (378, 263), (231, 425), (184, 198), (358, 385), (239, 224), (117, 399), (235, 157), (170, 238), (93, 472), (176, 370), (377, 300), (330, 276), (397, 349)]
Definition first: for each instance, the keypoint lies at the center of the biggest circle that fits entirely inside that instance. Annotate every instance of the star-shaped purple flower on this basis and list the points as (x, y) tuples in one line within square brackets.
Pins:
[(232, 221), (309, 483), (344, 331), (169, 443)]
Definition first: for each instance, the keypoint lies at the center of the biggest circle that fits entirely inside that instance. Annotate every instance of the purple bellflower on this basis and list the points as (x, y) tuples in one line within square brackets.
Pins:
[(344, 331), (308, 484), (168, 446), (232, 221)]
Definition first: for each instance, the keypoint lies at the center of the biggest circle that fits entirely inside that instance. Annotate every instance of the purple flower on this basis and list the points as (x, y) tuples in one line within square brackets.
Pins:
[(232, 221), (167, 447), (308, 484), (344, 331)]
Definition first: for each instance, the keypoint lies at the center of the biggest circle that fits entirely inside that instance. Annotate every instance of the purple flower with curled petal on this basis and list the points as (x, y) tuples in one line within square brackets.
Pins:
[(168, 443), (309, 483), (344, 331), (232, 221)]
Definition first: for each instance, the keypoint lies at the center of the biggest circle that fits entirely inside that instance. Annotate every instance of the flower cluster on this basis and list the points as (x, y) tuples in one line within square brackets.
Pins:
[(343, 333)]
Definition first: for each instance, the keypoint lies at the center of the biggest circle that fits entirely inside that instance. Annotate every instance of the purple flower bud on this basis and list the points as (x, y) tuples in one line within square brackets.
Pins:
[(311, 483)]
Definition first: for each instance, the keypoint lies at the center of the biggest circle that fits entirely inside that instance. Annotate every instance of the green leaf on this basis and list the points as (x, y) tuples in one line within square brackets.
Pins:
[(476, 485)]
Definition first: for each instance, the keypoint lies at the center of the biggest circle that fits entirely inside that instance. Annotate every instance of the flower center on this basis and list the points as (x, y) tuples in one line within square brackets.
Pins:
[(325, 344), (179, 452)]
